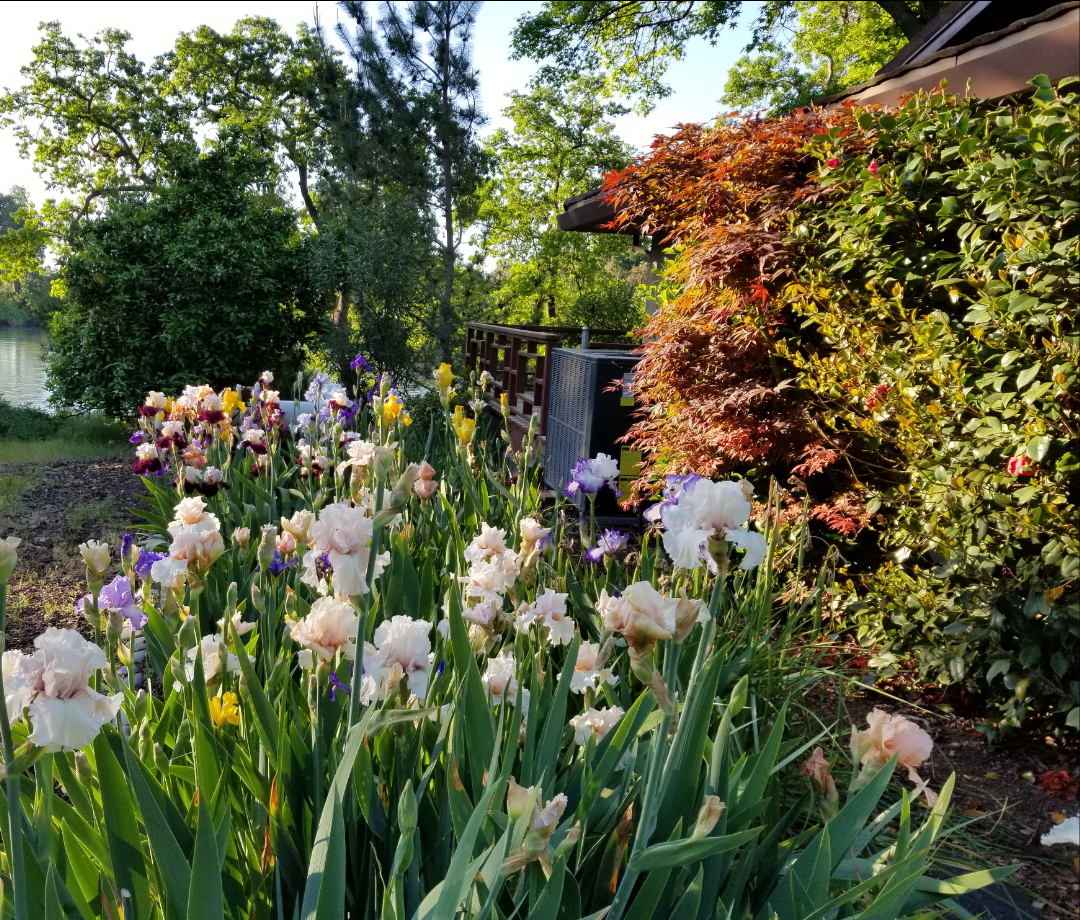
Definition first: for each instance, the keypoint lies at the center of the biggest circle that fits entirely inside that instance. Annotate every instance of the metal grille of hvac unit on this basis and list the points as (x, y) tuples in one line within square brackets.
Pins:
[(571, 384), (583, 420)]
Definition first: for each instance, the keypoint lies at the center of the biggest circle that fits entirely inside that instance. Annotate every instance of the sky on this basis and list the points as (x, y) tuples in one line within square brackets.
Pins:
[(697, 81)]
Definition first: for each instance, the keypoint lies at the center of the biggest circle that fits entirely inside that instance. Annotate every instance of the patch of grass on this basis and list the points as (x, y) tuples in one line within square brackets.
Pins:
[(28, 435), (18, 602), (12, 488), (100, 511), (57, 449)]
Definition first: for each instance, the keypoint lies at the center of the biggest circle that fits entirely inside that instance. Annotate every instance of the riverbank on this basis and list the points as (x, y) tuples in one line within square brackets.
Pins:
[(12, 315), (32, 435)]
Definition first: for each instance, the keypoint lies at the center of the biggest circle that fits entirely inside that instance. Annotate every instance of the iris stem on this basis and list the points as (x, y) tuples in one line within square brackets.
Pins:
[(649, 804), (12, 784)]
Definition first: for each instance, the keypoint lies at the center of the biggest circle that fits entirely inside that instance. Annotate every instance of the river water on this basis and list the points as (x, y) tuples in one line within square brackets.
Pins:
[(22, 368)]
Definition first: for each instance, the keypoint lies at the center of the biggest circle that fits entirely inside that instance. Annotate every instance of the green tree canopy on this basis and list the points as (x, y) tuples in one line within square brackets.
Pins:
[(416, 94), (98, 123), (205, 280), (804, 48), (562, 143)]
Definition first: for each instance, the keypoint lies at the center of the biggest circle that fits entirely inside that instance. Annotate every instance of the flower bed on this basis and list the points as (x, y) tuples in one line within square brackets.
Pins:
[(385, 687)]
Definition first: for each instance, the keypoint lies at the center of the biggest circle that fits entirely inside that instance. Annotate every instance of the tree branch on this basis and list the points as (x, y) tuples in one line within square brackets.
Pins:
[(909, 23)]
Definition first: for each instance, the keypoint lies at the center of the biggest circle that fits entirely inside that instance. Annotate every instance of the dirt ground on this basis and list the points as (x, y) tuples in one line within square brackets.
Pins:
[(55, 506), (52, 508)]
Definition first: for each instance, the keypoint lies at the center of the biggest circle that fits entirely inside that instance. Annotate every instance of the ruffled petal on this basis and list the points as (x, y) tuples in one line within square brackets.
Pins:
[(686, 546), (754, 545)]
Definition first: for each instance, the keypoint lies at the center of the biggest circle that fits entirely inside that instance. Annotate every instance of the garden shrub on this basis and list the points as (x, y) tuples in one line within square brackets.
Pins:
[(944, 283), (209, 260), (718, 400), (912, 305)]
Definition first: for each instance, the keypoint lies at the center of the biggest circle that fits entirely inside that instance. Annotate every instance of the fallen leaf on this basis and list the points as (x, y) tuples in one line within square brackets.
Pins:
[(990, 775), (1057, 817)]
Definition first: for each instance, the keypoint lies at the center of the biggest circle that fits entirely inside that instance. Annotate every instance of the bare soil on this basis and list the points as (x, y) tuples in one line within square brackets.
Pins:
[(70, 502)]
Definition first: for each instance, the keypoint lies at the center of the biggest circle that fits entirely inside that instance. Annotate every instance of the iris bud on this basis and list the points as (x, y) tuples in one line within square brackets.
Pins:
[(8, 557)]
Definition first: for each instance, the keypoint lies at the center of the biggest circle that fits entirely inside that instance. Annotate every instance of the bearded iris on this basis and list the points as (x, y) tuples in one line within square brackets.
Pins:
[(705, 513), (589, 476), (116, 595), (610, 542)]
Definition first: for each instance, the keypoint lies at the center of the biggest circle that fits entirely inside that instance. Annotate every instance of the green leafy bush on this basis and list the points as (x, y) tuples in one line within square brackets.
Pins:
[(941, 280), (878, 308), (206, 279)]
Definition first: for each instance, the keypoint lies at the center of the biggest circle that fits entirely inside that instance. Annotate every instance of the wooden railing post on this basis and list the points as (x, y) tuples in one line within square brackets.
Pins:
[(505, 352)]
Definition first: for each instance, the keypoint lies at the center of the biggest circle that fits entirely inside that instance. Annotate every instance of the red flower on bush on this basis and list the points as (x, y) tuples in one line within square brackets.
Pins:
[(873, 167), (1019, 466), (875, 398), (832, 162)]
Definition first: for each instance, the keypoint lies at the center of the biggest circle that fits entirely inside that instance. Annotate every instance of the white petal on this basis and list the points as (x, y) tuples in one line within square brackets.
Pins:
[(753, 543), (686, 546)]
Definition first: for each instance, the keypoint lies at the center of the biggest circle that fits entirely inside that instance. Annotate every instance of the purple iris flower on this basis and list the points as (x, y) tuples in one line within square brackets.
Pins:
[(345, 416), (591, 475), (146, 562), (336, 685), (116, 595), (674, 486), (360, 363), (610, 542), (138, 437), (279, 565), (323, 566), (320, 386), (126, 542)]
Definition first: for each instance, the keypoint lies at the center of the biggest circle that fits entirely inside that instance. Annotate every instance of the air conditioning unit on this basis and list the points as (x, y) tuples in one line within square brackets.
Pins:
[(584, 419)]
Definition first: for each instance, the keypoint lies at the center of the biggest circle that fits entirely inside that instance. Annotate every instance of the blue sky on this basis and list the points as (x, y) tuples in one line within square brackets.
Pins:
[(697, 81)]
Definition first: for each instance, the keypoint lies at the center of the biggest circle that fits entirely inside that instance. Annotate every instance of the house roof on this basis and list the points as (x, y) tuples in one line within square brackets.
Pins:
[(588, 212), (963, 21), (961, 47)]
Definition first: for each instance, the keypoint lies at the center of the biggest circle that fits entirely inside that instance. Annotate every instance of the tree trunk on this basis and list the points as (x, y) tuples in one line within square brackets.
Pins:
[(301, 170), (446, 311), (449, 254), (910, 23)]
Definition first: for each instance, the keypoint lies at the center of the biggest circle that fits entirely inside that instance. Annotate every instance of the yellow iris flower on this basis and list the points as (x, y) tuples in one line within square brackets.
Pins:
[(464, 429), (406, 419), (231, 400), (444, 376), (223, 709), (392, 407)]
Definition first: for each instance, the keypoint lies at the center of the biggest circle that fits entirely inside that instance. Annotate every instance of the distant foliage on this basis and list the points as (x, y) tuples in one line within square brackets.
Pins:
[(563, 140), (880, 309)]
